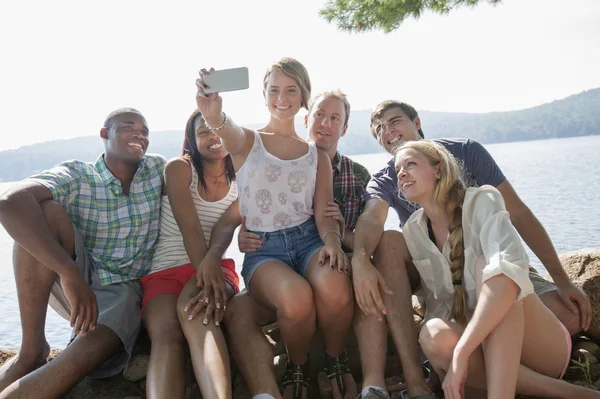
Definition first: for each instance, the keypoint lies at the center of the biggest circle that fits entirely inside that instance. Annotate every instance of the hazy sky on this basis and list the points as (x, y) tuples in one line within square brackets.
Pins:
[(66, 64)]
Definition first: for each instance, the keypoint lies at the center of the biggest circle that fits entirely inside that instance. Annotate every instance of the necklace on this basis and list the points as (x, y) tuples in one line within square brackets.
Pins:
[(215, 179)]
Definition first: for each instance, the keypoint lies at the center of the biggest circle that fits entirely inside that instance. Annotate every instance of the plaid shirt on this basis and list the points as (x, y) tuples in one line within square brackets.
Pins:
[(350, 180), (119, 230)]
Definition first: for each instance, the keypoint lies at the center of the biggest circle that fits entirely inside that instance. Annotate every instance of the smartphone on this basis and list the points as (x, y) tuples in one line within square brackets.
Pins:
[(226, 80)]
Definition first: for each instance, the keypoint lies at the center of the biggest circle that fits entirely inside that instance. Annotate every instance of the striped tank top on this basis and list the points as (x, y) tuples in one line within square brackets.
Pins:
[(170, 250)]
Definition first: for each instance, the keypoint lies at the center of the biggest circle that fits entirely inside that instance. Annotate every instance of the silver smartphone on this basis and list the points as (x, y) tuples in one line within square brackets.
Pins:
[(226, 80)]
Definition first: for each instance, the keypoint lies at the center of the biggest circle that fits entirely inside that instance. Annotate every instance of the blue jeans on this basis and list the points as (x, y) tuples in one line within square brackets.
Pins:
[(294, 247)]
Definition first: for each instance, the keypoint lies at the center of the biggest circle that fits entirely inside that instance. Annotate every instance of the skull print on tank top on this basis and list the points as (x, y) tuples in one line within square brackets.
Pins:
[(276, 194)]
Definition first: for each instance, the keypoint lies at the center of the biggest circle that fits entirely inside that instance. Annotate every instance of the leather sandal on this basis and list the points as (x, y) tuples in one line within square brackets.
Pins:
[(336, 367), (297, 375)]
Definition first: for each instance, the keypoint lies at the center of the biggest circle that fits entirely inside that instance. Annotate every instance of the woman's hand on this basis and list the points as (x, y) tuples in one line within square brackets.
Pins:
[(454, 382), (210, 105), (212, 283), (333, 251), (197, 304)]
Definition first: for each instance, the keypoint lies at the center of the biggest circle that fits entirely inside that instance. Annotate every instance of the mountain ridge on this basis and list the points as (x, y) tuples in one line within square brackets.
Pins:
[(573, 116)]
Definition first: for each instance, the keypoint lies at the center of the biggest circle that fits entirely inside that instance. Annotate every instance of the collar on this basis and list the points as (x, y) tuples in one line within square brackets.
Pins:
[(336, 163), (103, 171), (107, 176)]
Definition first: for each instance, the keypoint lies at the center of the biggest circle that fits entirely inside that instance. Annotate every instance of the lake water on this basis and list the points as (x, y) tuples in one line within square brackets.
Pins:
[(558, 179)]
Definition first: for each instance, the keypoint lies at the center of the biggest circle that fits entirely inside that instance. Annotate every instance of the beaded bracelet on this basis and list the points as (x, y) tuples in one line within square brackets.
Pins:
[(214, 129), (331, 231)]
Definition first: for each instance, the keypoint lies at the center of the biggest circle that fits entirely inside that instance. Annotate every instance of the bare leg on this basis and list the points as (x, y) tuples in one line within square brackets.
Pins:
[(208, 348), (277, 286), (371, 335), (542, 358), (166, 376), (392, 259), (249, 346), (335, 307), (75, 362), (34, 282)]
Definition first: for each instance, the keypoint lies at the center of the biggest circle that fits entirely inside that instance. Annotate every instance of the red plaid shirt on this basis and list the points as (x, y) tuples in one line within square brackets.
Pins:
[(350, 180)]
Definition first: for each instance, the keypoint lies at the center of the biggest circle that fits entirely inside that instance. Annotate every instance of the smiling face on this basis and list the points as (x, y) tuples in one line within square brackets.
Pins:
[(126, 138), (209, 144), (283, 96), (417, 177), (394, 128), (326, 123)]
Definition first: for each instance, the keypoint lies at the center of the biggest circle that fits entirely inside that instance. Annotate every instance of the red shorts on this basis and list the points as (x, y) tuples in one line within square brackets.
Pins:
[(172, 280)]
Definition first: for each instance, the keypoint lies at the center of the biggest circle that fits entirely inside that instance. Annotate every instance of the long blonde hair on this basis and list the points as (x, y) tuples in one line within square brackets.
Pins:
[(449, 193)]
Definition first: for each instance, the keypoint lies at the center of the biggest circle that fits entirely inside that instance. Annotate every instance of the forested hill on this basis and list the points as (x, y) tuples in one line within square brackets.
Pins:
[(577, 115)]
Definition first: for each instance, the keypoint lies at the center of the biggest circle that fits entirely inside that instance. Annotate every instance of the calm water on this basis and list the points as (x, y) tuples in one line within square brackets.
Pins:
[(558, 179)]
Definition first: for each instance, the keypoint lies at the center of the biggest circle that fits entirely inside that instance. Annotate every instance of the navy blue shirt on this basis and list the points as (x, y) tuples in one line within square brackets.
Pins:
[(477, 163)]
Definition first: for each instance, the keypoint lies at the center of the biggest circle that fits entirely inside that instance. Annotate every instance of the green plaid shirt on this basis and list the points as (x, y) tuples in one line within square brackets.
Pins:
[(119, 230), (350, 181)]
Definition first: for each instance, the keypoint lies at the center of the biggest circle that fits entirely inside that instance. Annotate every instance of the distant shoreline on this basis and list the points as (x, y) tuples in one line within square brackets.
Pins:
[(24, 172)]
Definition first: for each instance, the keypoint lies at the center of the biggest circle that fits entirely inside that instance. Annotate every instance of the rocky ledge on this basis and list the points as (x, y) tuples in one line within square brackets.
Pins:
[(583, 267)]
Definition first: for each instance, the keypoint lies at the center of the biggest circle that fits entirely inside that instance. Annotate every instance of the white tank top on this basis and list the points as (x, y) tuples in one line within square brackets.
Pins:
[(169, 250), (276, 194)]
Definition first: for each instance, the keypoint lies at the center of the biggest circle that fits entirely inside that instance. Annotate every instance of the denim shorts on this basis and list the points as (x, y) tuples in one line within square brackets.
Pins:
[(294, 247)]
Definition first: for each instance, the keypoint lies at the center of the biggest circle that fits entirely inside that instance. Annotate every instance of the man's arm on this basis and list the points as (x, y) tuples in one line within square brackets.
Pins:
[(23, 218), (365, 276), (369, 228), (536, 237)]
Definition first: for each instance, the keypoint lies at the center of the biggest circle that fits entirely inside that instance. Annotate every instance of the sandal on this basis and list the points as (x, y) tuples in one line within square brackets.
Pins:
[(336, 367), (297, 375)]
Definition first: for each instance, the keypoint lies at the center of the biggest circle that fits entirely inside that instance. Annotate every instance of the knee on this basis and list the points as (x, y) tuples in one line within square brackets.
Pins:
[(298, 305), (166, 333), (438, 339), (334, 293)]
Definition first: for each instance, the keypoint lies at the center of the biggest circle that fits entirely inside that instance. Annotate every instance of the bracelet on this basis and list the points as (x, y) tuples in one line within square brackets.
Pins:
[(331, 231), (214, 129)]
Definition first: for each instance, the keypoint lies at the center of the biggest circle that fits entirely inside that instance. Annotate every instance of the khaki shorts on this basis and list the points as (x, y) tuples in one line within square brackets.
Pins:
[(540, 284), (118, 308)]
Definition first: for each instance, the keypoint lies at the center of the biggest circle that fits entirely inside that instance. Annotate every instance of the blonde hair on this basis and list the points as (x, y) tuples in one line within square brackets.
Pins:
[(340, 95), (292, 68), (449, 193)]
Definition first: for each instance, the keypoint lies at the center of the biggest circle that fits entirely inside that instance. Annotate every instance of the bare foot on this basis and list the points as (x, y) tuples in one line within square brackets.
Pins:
[(19, 366), (351, 389)]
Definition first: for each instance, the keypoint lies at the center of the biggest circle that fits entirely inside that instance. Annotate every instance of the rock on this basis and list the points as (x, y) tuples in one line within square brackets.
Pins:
[(582, 355), (279, 363), (137, 367), (589, 346), (418, 304), (583, 268), (324, 386)]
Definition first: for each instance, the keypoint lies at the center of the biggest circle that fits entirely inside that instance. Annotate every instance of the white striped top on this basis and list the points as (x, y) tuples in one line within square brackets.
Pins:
[(170, 250)]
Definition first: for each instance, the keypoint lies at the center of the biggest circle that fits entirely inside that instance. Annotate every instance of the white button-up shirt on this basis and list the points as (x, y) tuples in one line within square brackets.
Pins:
[(488, 232)]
